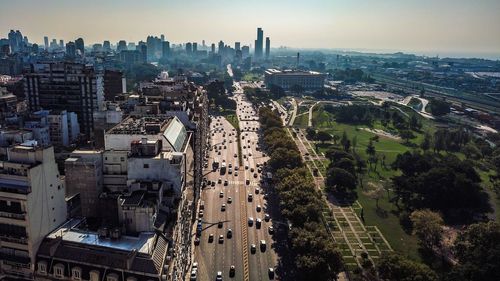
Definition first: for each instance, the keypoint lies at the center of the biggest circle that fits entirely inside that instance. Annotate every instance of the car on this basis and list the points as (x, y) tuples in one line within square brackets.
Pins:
[(244, 156), (221, 194), (250, 154), (200, 213), (226, 182), (230, 165), (232, 271), (230, 171), (250, 221), (259, 170), (267, 217), (244, 147), (253, 248), (218, 153), (223, 207), (258, 223), (236, 173), (229, 200), (219, 224), (262, 245), (194, 266), (193, 275), (221, 239), (250, 197), (252, 169), (257, 190), (236, 168), (225, 147), (211, 238), (219, 276), (197, 241), (247, 182), (229, 233), (255, 175), (258, 208), (246, 167), (235, 155), (230, 141), (219, 181), (270, 272), (213, 183), (270, 229)]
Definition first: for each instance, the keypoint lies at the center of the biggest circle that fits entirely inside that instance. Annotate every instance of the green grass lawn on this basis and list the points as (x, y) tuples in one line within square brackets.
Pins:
[(251, 77), (301, 121)]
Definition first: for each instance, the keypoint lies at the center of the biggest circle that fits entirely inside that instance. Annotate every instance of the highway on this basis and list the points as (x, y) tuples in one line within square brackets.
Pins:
[(242, 180)]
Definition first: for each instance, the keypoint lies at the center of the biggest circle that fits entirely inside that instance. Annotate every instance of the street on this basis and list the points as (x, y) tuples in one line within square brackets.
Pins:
[(244, 248)]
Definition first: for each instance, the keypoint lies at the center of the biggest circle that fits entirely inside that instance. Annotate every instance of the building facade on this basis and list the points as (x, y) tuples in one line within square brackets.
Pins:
[(286, 79)]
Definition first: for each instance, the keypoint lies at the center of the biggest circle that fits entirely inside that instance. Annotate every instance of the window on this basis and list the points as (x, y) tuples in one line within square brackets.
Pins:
[(42, 267), (94, 275), (76, 273), (112, 277), (122, 159), (59, 270), (146, 166)]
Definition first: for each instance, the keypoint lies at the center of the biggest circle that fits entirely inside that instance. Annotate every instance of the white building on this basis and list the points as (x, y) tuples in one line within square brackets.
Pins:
[(31, 206)]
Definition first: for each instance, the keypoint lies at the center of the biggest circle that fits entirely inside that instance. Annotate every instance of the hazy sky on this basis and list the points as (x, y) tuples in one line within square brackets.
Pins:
[(452, 26)]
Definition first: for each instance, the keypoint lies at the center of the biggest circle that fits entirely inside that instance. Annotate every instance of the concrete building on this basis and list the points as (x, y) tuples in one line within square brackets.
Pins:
[(83, 175), (259, 43), (63, 127), (286, 79), (74, 253), (31, 206), (268, 47)]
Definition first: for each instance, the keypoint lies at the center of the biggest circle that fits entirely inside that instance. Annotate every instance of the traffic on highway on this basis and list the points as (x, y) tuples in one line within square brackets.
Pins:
[(234, 231)]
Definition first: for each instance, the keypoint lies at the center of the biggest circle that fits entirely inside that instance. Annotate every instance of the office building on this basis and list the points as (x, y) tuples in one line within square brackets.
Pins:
[(221, 48), (64, 86), (268, 47), (32, 205), (71, 50), (63, 127), (245, 51), (46, 42), (61, 43), (121, 46), (80, 46), (189, 48), (165, 49), (195, 47), (237, 46), (259, 43), (162, 37), (309, 80), (213, 48), (106, 45), (143, 50)]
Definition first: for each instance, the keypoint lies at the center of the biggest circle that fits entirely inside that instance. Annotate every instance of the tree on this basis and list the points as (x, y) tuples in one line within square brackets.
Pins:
[(310, 133), (393, 266), (438, 107), (354, 144), (406, 135), (415, 123), (370, 149), (340, 180), (346, 143), (426, 142), (323, 136), (477, 250), (285, 158), (428, 227)]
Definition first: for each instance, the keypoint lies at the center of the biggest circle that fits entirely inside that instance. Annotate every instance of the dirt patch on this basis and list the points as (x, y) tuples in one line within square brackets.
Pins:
[(382, 133)]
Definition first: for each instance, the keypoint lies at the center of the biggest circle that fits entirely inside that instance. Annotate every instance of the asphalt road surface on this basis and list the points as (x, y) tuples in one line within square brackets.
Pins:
[(242, 180)]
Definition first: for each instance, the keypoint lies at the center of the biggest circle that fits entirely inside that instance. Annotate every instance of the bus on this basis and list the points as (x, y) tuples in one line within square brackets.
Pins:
[(215, 164)]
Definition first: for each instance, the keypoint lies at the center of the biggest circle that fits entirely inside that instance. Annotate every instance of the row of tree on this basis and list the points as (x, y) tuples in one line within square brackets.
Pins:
[(315, 255)]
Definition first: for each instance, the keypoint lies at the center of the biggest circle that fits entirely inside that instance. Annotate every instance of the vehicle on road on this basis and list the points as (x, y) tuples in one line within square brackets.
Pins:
[(211, 238), (219, 224), (250, 197), (262, 245), (221, 194), (267, 217), (223, 207), (219, 276), (257, 190), (250, 221), (229, 200), (197, 241), (193, 275), (232, 271), (247, 182), (219, 181), (221, 239), (258, 223), (258, 208), (200, 213), (253, 248), (270, 272), (229, 233), (226, 182)]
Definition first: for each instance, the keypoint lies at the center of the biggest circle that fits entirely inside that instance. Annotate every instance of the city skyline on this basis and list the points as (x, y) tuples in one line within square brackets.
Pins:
[(421, 27)]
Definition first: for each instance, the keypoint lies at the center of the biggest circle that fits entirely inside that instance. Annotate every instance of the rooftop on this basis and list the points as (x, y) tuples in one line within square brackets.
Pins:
[(141, 125), (144, 243), (272, 71)]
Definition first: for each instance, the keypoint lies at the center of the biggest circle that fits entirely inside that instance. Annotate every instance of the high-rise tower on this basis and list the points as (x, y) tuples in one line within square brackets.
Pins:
[(259, 43)]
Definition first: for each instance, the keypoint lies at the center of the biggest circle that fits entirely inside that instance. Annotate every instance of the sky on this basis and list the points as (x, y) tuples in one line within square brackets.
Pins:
[(423, 26)]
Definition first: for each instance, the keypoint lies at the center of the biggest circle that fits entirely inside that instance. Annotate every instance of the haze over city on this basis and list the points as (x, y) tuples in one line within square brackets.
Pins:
[(447, 27)]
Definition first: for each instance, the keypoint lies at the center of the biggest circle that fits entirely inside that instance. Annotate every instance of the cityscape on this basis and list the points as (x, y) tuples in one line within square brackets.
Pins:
[(275, 156)]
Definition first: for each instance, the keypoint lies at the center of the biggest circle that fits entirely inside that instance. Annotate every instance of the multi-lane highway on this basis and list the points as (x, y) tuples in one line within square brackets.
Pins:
[(227, 206)]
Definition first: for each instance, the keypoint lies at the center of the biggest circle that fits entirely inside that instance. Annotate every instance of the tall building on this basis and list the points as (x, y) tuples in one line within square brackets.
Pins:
[(32, 205), (195, 47), (259, 43), (61, 43), (189, 48), (121, 46), (15, 41), (213, 48), (245, 51), (70, 50), (46, 42), (268, 47), (237, 46), (162, 37), (65, 86), (165, 49), (80, 46), (106, 45), (143, 49), (221, 47)]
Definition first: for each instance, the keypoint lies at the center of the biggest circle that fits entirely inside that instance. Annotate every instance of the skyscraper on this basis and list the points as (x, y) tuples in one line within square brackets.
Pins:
[(80, 45), (195, 47), (221, 47), (121, 46), (165, 49), (213, 48), (237, 46), (259, 43), (106, 45), (162, 37), (61, 43), (46, 42), (70, 49), (268, 47), (189, 48)]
